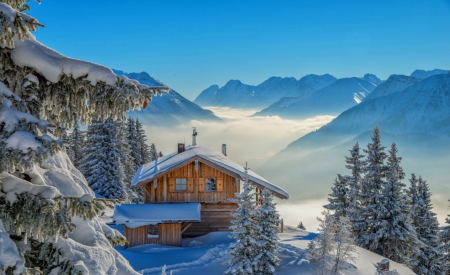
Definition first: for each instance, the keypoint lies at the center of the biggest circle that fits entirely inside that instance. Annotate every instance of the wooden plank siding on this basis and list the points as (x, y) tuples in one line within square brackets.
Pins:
[(169, 234), (215, 217), (162, 193), (138, 236)]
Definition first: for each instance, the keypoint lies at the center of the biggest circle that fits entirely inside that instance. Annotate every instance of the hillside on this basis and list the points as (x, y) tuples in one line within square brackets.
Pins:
[(169, 109), (236, 94), (422, 74), (206, 255), (331, 100)]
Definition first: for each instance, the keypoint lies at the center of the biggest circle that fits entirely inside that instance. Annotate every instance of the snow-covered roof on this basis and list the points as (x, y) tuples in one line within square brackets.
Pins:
[(135, 215), (159, 167)]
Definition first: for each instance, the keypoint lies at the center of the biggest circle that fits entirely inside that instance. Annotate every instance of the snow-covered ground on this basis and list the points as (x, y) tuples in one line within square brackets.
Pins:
[(207, 255)]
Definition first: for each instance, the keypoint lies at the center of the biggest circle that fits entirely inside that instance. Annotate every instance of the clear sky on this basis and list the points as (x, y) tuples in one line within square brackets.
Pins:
[(190, 45)]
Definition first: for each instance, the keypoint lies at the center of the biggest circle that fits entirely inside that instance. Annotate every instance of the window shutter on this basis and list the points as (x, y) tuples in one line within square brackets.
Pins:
[(201, 185), (190, 184), (171, 184), (219, 185)]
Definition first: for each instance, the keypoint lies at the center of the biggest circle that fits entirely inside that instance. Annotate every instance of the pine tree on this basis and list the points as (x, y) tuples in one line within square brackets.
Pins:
[(356, 164), (339, 198), (77, 143), (370, 193), (37, 104), (153, 152), (444, 248), (143, 148), (266, 230), (133, 142), (393, 236), (243, 251), (428, 260), (102, 161)]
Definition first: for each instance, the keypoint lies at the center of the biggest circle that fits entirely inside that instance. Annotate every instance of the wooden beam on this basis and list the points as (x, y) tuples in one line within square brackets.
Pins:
[(185, 228)]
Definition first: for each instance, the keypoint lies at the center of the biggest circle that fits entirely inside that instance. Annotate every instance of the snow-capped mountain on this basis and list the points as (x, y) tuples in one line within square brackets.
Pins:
[(372, 79), (331, 100), (395, 83), (423, 108), (236, 94), (169, 109), (422, 74)]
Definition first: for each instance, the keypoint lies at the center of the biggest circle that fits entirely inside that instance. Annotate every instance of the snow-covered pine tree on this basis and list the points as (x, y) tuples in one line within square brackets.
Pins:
[(370, 193), (393, 235), (321, 248), (355, 163), (102, 165), (444, 237), (243, 251), (77, 143), (40, 88), (428, 259), (266, 235), (132, 141), (143, 148), (301, 226), (153, 152), (339, 198)]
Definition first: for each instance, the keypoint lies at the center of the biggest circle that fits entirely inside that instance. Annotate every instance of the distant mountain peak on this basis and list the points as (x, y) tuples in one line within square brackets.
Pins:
[(372, 79), (422, 74)]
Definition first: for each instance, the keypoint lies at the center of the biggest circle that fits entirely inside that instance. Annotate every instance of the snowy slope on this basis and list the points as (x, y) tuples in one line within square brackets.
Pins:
[(206, 255), (169, 109), (331, 100), (423, 108), (236, 94), (395, 83), (422, 74)]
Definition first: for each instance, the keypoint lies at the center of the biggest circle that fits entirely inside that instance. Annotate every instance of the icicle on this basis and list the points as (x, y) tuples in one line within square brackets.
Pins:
[(196, 165), (155, 183)]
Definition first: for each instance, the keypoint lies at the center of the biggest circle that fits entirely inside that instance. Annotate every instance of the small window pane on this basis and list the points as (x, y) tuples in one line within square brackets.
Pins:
[(181, 185), (152, 231), (211, 184)]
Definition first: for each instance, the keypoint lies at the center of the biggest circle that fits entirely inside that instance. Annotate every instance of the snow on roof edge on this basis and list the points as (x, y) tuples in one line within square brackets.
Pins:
[(152, 170)]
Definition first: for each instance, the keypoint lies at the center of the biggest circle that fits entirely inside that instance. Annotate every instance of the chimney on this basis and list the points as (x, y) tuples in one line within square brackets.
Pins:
[(194, 136), (224, 149), (180, 148)]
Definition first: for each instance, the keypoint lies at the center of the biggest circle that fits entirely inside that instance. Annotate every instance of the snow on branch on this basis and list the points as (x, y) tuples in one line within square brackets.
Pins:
[(15, 24), (63, 90)]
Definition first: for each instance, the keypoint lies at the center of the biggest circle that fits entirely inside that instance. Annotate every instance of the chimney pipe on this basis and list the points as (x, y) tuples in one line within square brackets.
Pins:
[(194, 136), (224, 149), (180, 148)]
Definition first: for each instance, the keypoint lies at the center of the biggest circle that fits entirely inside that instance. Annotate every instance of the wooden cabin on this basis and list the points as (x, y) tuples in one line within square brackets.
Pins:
[(195, 175)]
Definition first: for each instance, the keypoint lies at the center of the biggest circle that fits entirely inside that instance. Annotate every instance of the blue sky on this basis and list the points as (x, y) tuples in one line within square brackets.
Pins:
[(190, 45)]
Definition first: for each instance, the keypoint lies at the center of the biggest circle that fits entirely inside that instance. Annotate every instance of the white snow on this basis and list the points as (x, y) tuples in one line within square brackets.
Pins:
[(23, 141), (87, 245), (52, 65), (135, 215), (9, 255), (152, 170), (206, 255)]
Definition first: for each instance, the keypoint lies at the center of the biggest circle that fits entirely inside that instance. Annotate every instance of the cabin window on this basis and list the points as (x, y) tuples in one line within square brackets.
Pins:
[(180, 185), (152, 231), (211, 184)]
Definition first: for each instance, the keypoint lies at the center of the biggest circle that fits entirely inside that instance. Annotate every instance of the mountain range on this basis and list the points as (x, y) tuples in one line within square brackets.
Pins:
[(330, 100), (236, 94), (168, 109), (417, 118)]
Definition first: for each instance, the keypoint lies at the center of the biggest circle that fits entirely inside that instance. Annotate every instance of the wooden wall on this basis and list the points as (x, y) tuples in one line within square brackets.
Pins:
[(195, 193), (215, 217), (138, 236), (169, 234)]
